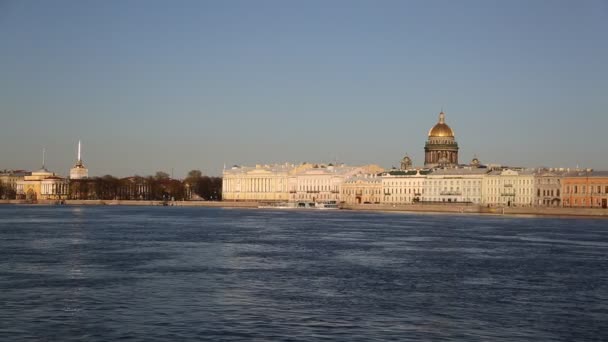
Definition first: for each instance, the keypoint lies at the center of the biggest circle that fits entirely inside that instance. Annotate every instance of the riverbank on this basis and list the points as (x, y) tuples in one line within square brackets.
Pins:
[(420, 208), (475, 209), (214, 204)]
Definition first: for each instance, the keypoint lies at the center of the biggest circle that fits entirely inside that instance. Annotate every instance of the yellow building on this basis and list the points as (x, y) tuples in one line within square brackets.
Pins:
[(362, 189), (42, 185), (8, 182)]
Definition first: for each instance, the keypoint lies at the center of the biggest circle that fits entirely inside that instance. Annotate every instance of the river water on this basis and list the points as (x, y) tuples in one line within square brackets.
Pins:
[(179, 274)]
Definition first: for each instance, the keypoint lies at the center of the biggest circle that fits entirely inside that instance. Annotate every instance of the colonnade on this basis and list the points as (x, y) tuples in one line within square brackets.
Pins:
[(54, 188), (255, 184)]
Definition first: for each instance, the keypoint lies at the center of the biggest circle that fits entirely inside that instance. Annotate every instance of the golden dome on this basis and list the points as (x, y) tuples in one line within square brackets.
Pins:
[(441, 129)]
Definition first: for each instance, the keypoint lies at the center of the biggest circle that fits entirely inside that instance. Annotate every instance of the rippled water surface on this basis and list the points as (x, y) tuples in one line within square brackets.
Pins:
[(177, 274)]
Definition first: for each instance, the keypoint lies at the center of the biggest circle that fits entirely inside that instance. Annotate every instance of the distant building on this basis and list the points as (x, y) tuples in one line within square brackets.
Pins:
[(406, 163), (585, 189), (259, 183), (42, 185), (509, 188), (322, 182), (362, 189), (441, 148), (548, 187), (9, 180), (403, 186), (459, 185), (289, 182), (79, 171)]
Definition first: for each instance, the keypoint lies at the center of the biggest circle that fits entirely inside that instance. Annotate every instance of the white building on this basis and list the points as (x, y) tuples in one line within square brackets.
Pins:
[(403, 186), (509, 188), (288, 182), (461, 185), (322, 182), (259, 183)]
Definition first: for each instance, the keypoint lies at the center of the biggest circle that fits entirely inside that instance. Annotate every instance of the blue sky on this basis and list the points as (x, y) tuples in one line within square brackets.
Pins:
[(161, 85)]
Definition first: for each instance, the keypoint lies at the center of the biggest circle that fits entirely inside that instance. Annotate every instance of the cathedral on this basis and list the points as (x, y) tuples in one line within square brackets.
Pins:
[(441, 148)]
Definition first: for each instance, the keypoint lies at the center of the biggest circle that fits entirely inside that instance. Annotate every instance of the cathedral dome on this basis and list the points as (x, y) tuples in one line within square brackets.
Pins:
[(441, 129)]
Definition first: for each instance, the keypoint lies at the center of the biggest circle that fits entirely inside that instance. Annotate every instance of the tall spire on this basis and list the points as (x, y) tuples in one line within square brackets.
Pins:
[(79, 159), (43, 157)]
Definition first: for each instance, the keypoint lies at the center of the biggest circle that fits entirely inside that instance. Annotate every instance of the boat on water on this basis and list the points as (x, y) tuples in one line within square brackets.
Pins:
[(327, 205)]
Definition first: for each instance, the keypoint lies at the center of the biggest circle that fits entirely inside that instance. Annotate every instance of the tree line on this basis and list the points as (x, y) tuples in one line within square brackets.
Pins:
[(7, 192), (159, 187)]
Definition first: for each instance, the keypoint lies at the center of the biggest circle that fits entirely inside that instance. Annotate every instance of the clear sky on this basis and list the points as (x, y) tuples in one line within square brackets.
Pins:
[(161, 85)]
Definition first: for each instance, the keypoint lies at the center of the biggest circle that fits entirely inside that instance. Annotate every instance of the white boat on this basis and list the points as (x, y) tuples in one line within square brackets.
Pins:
[(327, 205)]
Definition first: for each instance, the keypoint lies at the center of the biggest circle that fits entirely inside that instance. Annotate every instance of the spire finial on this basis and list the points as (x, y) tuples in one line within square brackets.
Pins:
[(442, 117), (43, 157), (79, 159)]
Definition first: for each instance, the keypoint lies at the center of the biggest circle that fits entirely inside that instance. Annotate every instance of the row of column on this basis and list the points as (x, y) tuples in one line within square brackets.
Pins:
[(54, 188), (251, 185), (432, 157)]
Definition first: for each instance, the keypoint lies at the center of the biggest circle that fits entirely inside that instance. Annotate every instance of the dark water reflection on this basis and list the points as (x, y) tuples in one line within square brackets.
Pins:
[(166, 273)]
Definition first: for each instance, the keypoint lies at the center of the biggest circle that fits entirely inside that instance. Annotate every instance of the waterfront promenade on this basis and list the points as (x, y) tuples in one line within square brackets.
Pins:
[(420, 208)]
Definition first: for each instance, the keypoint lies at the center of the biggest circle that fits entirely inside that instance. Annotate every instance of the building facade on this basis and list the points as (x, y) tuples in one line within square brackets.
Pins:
[(362, 189), (259, 183), (403, 186), (585, 189), (288, 182), (548, 187), (323, 182), (42, 185), (8, 182), (441, 148), (457, 185), (509, 188)]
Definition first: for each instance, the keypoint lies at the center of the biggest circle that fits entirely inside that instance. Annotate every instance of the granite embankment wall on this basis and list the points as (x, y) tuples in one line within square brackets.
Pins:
[(475, 209), (422, 208), (141, 203)]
